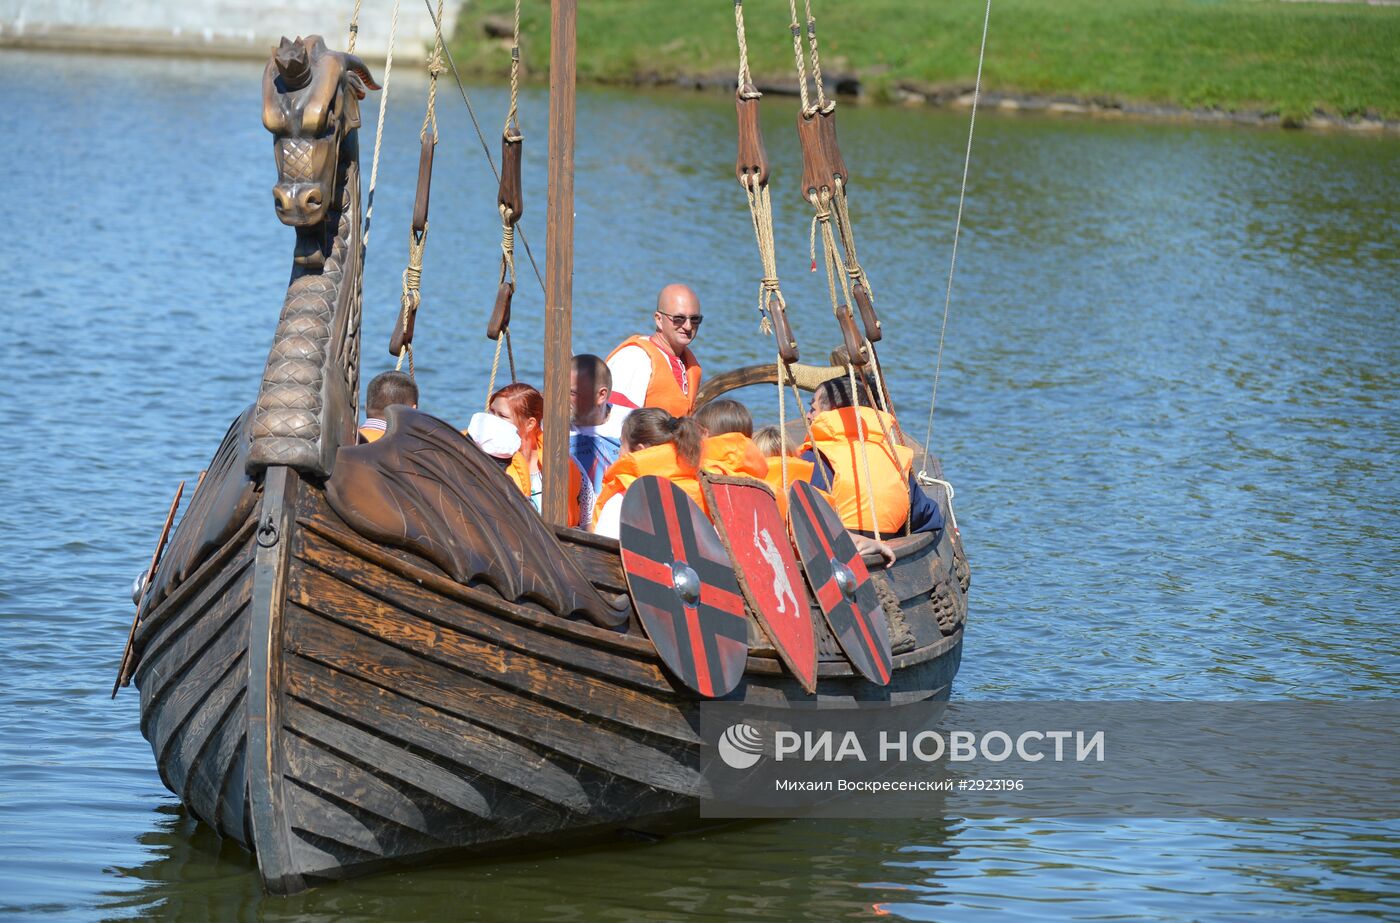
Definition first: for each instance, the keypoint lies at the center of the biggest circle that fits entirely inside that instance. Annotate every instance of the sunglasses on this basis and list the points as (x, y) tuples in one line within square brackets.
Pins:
[(680, 319)]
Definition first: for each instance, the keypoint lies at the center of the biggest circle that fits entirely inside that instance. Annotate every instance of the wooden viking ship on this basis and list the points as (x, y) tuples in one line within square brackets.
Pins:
[(358, 656)]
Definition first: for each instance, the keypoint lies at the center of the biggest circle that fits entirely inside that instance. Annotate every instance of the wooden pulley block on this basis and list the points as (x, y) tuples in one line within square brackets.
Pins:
[(500, 314), (787, 346), (425, 182), (403, 333), (509, 193), (826, 125), (851, 336), (752, 163), (816, 169), (868, 317)]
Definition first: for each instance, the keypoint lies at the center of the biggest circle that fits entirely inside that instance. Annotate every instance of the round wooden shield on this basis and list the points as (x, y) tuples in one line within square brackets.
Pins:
[(840, 582), (683, 586), (747, 519)]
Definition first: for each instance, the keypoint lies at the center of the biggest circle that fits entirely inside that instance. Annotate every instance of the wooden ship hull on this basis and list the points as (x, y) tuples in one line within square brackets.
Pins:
[(352, 656), (336, 706)]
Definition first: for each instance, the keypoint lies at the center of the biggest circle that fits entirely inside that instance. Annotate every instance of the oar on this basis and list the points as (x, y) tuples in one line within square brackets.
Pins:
[(122, 674)]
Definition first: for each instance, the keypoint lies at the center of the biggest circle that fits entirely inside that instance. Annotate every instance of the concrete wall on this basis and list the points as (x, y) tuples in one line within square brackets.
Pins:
[(230, 28)]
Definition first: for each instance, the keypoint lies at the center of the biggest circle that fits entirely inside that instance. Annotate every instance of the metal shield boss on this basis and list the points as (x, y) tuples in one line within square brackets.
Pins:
[(683, 586), (840, 583), (749, 524)]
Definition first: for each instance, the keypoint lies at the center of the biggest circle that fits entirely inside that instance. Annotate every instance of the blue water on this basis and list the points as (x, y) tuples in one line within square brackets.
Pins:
[(1167, 401)]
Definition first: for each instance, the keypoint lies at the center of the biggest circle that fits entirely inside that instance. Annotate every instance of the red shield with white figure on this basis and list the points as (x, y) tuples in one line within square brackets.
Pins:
[(683, 586), (747, 519)]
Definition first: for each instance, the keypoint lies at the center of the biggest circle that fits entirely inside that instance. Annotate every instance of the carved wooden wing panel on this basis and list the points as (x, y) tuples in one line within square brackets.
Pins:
[(426, 488), (222, 504)]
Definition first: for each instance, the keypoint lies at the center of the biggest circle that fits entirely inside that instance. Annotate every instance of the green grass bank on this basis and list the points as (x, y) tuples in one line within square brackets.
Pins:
[(1269, 57)]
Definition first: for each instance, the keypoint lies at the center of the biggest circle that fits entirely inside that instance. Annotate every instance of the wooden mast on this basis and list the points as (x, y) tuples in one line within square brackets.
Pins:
[(559, 262)]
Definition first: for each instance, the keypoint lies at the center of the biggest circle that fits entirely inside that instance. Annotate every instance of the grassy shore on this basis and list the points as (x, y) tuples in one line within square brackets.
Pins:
[(1262, 56)]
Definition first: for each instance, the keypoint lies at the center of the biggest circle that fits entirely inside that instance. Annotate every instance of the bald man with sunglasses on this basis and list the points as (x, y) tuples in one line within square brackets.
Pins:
[(660, 370)]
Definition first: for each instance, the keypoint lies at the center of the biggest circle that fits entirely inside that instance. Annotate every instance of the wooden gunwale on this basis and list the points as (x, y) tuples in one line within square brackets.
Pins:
[(903, 545), (581, 630)]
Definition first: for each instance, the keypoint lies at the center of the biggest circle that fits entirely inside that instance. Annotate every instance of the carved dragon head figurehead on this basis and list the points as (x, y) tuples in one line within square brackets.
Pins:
[(306, 403), (310, 102)]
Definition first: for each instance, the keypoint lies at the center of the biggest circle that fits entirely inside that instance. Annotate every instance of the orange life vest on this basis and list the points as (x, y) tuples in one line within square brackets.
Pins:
[(733, 454), (662, 390), (798, 470), (519, 472), (660, 460), (837, 438), (370, 435)]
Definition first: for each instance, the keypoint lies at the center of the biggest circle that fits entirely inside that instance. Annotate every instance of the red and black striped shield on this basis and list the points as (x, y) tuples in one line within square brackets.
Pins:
[(749, 524), (683, 586), (840, 582)]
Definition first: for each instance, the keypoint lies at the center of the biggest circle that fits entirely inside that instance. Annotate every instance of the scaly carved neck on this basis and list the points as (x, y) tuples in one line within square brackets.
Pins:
[(306, 407)]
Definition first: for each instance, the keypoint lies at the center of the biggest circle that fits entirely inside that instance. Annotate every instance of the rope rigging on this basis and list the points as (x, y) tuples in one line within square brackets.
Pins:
[(401, 343), (480, 136), (510, 202), (824, 177), (751, 169), (379, 125)]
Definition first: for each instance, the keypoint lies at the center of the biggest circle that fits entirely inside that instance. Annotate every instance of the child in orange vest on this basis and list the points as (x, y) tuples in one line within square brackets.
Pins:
[(728, 448), (838, 420), (776, 450), (653, 442)]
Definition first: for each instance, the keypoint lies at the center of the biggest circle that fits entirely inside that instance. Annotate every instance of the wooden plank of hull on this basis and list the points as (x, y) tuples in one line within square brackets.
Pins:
[(426, 748), (397, 591), (509, 670), (336, 707), (520, 717), (193, 676)]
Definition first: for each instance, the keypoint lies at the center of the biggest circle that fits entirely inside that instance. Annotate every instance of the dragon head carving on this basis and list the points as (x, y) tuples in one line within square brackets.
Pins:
[(310, 101)]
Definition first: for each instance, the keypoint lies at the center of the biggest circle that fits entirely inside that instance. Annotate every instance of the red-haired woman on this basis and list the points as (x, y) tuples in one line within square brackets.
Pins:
[(523, 406)]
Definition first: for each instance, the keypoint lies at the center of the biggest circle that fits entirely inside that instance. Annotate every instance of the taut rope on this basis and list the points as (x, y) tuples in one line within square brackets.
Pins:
[(379, 126), (953, 263)]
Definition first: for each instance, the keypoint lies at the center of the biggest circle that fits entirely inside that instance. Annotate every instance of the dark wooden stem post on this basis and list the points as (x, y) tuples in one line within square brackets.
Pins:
[(559, 262)]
